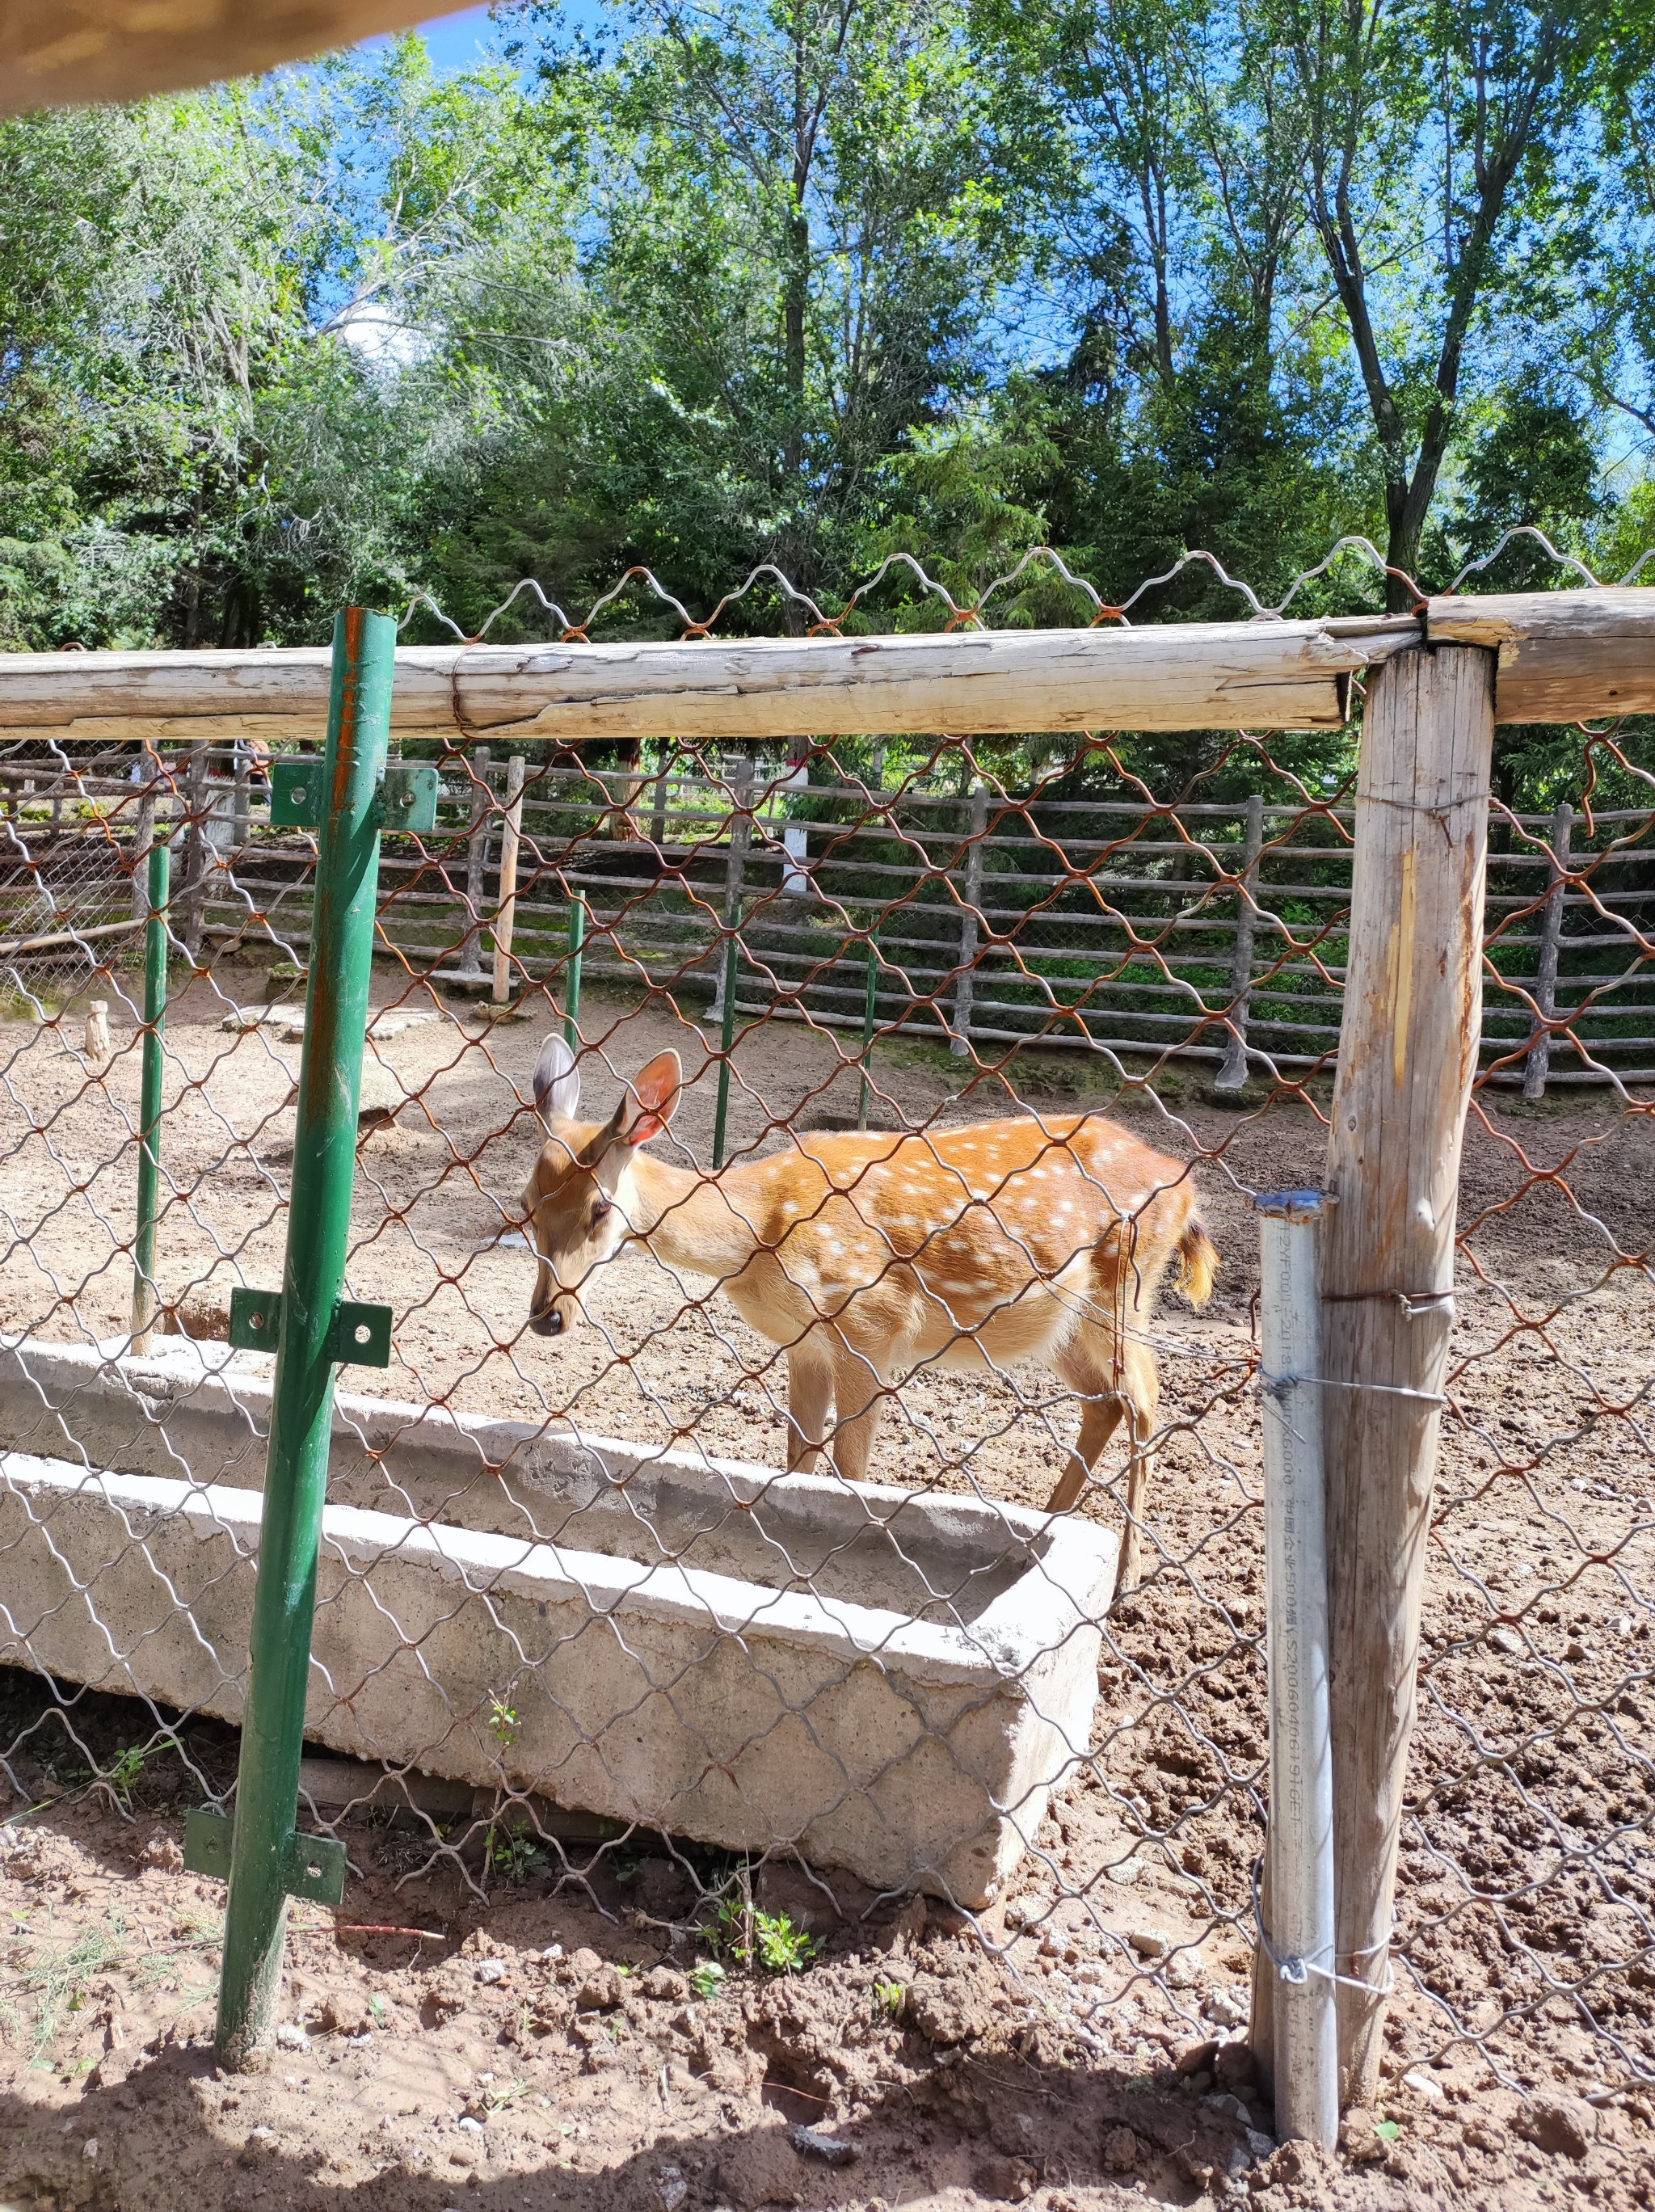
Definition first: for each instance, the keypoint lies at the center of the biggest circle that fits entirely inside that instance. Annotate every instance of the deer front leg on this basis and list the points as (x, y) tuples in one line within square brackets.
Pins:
[(810, 1399)]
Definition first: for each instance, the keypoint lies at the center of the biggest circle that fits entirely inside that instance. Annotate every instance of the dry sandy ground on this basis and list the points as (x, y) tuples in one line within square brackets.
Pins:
[(1043, 2067)]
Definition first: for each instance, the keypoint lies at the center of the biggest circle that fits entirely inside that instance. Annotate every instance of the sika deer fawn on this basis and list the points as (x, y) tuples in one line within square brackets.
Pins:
[(867, 1257)]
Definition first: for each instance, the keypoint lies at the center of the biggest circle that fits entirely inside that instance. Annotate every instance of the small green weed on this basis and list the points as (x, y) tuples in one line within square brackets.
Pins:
[(516, 1855), (890, 1997), (767, 1940), (127, 1767), (502, 1723), (707, 1978)]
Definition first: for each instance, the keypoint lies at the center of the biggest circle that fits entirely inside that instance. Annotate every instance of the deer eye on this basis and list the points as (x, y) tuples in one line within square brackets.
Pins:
[(600, 1208)]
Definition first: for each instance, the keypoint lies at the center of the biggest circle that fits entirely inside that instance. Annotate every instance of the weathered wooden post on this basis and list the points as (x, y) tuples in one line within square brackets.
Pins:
[(476, 864), (970, 915), (1233, 1075), (147, 776), (1408, 1052), (870, 1012), (241, 812), (658, 820), (197, 856), (506, 918), (1551, 934), (740, 838)]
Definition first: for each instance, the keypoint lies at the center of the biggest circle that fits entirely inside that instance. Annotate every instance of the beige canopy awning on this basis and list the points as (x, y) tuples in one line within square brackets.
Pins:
[(61, 54)]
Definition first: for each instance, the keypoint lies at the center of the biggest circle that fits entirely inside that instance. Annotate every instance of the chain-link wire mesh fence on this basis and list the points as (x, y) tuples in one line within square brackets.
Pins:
[(577, 1630)]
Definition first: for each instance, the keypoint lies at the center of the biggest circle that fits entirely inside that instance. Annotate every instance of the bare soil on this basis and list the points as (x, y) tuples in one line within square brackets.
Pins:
[(1036, 2057)]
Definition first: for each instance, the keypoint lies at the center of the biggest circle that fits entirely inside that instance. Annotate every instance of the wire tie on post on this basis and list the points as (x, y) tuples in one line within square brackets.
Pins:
[(1277, 1386), (1295, 1971), (1413, 1303)]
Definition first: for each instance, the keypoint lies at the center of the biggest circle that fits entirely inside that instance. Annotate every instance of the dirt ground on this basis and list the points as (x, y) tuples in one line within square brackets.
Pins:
[(530, 2036)]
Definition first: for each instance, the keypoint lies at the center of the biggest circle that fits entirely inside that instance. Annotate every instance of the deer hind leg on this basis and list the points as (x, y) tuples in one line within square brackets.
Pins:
[(859, 1394), (810, 1401), (1115, 1377), (1100, 1418), (1144, 1395)]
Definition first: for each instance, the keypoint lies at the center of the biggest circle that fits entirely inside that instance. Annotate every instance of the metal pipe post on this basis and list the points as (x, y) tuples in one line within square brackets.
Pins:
[(868, 998), (572, 981), (319, 1232), (154, 1016), (726, 1039), (1299, 1936)]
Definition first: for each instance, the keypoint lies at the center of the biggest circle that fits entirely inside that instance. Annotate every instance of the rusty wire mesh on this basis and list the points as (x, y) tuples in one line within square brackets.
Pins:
[(574, 1624)]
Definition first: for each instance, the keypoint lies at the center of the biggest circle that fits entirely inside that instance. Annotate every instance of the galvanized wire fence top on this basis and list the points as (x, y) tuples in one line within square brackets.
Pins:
[(974, 1031), (1354, 564)]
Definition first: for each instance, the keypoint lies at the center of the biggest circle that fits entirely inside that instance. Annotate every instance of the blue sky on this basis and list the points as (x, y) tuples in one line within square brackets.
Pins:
[(453, 40)]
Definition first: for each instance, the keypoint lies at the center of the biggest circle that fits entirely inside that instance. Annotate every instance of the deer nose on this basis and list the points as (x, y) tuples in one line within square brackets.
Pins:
[(549, 1323)]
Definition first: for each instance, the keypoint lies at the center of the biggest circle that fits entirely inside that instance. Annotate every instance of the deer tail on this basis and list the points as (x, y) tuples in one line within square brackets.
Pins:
[(1197, 1262)]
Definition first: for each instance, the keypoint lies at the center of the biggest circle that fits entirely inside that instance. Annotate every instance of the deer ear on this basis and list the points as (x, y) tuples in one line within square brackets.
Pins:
[(651, 1100), (557, 1080)]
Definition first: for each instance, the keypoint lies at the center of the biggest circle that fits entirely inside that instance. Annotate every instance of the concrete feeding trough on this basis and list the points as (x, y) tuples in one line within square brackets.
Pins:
[(879, 1680)]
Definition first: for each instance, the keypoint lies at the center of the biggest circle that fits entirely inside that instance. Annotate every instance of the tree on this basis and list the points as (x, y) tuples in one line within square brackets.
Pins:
[(1439, 143), (795, 222)]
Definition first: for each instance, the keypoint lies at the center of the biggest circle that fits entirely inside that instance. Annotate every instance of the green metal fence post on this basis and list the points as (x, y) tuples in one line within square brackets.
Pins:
[(726, 1038), (572, 981), (155, 1018), (868, 1023), (268, 1863)]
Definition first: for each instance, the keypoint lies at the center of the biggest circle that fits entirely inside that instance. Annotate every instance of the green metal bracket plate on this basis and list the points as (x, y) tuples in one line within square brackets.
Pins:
[(296, 794), (314, 1867), (360, 1335), (311, 1866), (255, 1319), (207, 1843), (407, 797)]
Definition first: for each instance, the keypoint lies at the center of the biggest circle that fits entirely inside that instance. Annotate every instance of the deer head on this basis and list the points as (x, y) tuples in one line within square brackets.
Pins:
[(577, 1197)]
